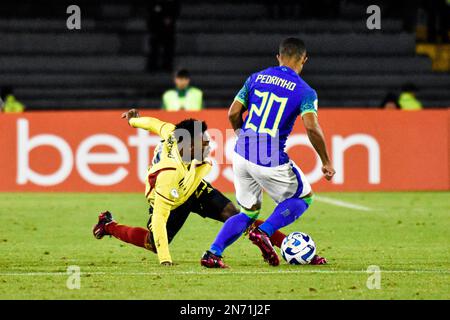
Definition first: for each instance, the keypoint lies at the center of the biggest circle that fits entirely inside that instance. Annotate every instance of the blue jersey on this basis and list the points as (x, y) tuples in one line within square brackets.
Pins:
[(274, 98)]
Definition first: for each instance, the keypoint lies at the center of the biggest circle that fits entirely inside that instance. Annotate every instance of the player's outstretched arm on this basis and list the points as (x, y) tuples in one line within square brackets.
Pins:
[(235, 113), (165, 196), (317, 139), (159, 221), (154, 125)]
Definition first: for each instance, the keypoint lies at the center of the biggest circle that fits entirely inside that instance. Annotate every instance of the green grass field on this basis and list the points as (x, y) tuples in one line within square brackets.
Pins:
[(406, 234)]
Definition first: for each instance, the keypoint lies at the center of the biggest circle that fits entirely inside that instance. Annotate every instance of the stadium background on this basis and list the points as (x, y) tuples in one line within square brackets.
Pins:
[(104, 65), (76, 83)]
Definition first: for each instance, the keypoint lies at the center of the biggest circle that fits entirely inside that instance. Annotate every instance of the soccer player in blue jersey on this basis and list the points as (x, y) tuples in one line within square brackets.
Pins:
[(274, 98)]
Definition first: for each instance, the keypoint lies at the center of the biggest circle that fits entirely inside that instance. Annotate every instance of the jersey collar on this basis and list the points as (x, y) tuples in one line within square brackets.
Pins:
[(287, 69)]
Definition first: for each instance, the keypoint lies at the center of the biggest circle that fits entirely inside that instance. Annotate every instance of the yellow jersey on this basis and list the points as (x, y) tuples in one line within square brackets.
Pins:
[(408, 101), (170, 180)]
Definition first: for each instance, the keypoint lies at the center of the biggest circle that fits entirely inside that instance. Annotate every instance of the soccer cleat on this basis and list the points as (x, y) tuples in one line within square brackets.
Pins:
[(210, 260), (316, 260), (99, 230), (261, 240)]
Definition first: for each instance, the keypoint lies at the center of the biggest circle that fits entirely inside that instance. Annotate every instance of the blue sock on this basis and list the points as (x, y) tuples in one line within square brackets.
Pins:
[(232, 229), (284, 214)]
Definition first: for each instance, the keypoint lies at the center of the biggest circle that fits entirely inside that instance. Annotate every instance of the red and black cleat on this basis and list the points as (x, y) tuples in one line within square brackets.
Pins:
[(261, 240), (99, 230), (316, 260), (210, 260)]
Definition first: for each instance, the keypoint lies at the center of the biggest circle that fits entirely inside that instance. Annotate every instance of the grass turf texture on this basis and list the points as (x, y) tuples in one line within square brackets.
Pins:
[(406, 235)]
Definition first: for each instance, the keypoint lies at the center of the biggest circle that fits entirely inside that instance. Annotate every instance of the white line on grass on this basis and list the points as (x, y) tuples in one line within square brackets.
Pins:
[(341, 203), (220, 272)]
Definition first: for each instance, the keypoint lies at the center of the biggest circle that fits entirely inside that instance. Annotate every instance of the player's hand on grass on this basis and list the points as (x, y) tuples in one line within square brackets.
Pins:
[(328, 171), (132, 113)]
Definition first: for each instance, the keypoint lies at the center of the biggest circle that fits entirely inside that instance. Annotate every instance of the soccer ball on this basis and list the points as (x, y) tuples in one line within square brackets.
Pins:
[(298, 248)]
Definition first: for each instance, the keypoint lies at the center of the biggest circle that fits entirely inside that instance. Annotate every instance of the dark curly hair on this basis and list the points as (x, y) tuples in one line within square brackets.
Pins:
[(192, 126)]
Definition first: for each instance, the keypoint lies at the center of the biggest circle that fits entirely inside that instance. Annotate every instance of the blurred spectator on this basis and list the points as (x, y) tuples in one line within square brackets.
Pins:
[(161, 20), (407, 99), (8, 102), (390, 102), (183, 96)]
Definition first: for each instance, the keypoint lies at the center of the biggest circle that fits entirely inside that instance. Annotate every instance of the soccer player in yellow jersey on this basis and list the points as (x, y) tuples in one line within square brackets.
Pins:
[(174, 188)]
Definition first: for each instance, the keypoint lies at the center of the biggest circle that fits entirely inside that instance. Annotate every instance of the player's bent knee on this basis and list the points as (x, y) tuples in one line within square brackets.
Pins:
[(256, 206), (309, 199), (251, 213)]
